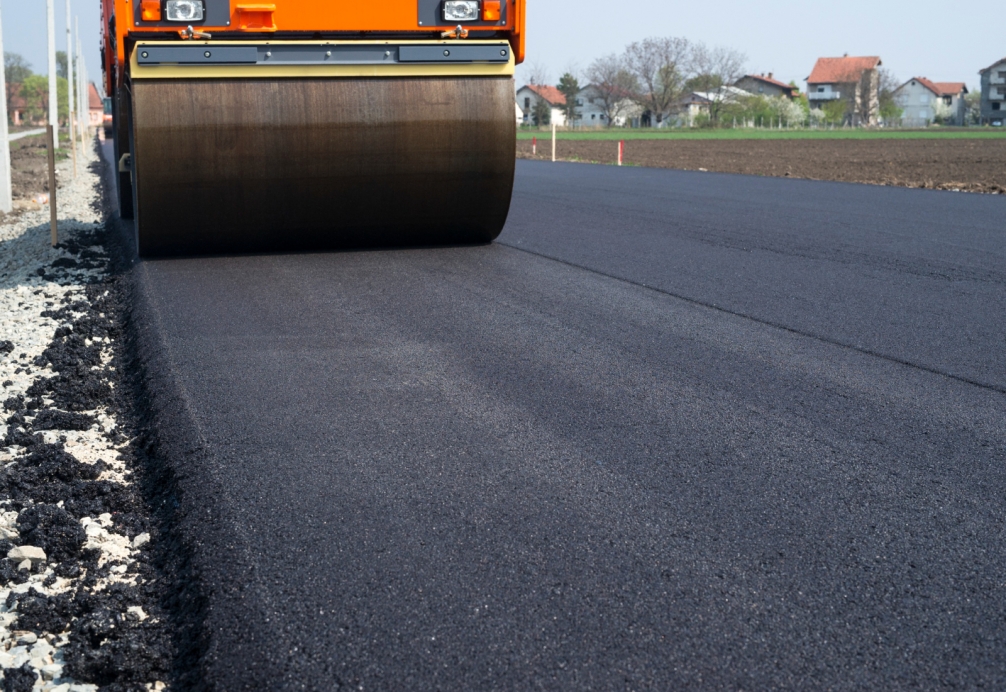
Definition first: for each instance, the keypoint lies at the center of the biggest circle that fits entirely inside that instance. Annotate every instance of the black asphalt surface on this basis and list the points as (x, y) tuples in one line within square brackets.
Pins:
[(673, 430)]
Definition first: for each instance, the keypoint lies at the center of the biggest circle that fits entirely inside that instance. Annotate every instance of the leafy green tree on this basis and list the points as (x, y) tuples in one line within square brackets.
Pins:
[(569, 87), (35, 92), (61, 68), (541, 113), (835, 111), (16, 69)]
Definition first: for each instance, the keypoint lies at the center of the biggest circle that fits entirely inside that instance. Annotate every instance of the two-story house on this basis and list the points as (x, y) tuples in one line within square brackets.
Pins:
[(994, 94), (853, 80), (765, 85), (922, 101), (531, 94), (591, 110)]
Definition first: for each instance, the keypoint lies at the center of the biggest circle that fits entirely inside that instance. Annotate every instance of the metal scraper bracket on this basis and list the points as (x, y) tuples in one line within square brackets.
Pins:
[(307, 54)]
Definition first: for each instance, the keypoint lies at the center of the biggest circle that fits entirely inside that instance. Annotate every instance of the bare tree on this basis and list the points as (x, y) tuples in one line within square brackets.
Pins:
[(613, 84), (973, 107), (660, 66), (16, 71), (713, 69), (538, 74), (889, 108)]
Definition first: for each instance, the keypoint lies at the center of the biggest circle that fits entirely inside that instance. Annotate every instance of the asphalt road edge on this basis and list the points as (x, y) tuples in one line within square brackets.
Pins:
[(197, 556)]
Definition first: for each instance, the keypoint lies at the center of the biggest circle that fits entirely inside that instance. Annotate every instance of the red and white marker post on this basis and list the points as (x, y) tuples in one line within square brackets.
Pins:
[(534, 146), (621, 151)]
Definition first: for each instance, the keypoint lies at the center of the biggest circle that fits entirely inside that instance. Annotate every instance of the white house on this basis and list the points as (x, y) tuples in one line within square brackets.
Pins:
[(702, 102), (922, 101), (531, 94), (590, 111)]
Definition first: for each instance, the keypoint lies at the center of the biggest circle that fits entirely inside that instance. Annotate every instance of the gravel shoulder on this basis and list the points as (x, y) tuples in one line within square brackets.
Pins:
[(81, 597), (969, 165)]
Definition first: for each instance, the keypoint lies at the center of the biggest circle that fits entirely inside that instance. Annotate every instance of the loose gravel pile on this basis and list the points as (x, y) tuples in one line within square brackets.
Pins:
[(80, 597)]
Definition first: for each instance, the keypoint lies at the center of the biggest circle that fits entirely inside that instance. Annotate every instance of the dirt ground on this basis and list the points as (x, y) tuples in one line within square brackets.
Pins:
[(29, 167), (972, 165), (30, 171)]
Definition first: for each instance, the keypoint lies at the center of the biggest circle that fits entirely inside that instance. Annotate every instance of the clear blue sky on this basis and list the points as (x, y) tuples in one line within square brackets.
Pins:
[(940, 40), (945, 41), (24, 31)]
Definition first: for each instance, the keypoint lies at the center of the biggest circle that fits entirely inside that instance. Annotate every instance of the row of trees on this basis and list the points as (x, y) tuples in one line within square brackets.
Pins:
[(654, 75), (34, 88)]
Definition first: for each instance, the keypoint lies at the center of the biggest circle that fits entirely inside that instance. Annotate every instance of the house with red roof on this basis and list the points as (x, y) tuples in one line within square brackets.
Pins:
[(95, 106), (16, 105), (765, 85), (530, 95), (855, 81), (924, 102)]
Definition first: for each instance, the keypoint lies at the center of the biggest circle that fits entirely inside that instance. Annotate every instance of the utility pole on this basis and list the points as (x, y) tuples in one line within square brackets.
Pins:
[(53, 95), (6, 204), (70, 87), (80, 83)]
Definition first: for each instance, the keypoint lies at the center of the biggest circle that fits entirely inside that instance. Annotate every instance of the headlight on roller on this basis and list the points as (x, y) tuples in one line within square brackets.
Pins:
[(461, 10), (184, 10)]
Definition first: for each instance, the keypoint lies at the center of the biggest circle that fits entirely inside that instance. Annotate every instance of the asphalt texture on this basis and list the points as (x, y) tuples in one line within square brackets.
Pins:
[(672, 430)]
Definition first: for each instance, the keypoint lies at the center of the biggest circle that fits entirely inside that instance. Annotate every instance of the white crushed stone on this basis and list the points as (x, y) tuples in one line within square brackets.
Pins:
[(24, 295)]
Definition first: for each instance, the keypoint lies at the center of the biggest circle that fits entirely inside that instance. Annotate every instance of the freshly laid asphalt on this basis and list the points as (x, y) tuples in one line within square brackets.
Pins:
[(672, 430)]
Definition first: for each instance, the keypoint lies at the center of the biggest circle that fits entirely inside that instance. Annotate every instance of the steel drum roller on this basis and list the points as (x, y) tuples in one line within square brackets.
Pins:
[(245, 165)]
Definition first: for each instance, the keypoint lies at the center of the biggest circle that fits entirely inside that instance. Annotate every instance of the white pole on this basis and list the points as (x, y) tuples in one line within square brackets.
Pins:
[(71, 88), (6, 204), (82, 92), (553, 140), (80, 79), (86, 97), (53, 102)]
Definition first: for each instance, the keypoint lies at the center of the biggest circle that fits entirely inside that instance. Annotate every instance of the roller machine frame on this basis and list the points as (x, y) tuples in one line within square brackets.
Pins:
[(304, 124)]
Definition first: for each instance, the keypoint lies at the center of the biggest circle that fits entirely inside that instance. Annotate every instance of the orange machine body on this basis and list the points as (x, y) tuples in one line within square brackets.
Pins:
[(125, 21)]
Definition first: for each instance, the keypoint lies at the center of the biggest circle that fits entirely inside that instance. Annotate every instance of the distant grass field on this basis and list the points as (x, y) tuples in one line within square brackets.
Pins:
[(740, 133)]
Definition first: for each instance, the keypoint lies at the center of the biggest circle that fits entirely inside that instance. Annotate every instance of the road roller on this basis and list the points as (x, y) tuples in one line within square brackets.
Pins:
[(289, 125)]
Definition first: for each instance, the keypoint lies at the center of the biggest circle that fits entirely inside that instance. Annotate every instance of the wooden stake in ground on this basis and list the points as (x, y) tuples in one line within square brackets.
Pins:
[(52, 185), (6, 203), (73, 143)]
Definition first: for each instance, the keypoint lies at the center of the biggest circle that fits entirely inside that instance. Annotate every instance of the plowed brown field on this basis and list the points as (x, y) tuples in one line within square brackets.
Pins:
[(973, 165)]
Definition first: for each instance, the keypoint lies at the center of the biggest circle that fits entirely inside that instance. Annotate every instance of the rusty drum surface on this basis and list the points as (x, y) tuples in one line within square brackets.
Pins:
[(252, 165)]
